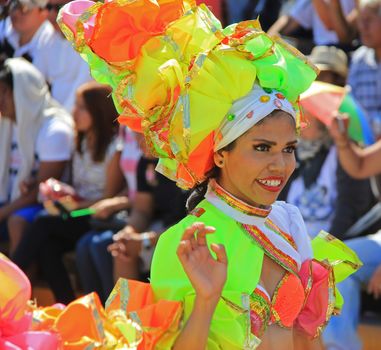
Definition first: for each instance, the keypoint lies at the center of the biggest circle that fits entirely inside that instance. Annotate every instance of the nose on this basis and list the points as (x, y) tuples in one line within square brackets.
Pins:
[(277, 164)]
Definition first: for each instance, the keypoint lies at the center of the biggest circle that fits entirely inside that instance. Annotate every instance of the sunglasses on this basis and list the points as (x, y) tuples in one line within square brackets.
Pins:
[(18, 6), (54, 7)]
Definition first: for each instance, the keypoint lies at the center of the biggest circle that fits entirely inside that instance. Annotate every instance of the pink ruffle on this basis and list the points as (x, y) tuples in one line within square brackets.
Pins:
[(31, 341), (15, 316), (315, 278), (72, 11)]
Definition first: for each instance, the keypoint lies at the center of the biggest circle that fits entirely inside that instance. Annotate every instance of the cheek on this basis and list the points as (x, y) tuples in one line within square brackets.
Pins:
[(290, 164), (87, 120)]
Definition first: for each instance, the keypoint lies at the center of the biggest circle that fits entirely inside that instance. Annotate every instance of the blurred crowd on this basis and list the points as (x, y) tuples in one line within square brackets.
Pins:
[(73, 180)]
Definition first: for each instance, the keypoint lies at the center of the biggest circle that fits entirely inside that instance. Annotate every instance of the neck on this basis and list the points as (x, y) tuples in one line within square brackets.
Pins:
[(243, 199), (26, 37), (90, 139), (240, 205)]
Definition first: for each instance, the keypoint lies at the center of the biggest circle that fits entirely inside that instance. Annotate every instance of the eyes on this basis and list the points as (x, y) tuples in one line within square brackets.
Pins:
[(263, 147)]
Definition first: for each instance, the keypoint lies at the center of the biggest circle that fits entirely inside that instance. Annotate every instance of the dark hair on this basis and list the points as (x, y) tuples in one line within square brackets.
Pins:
[(6, 76), (198, 192), (103, 113)]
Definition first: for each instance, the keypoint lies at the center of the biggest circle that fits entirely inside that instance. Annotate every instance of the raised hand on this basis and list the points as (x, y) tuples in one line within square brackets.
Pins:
[(127, 244), (339, 128), (207, 275)]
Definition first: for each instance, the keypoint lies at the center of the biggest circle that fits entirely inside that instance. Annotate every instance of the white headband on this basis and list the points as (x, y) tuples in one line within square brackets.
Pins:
[(248, 111)]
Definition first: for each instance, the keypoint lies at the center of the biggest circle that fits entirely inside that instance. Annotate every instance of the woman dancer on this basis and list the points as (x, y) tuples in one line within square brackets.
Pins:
[(219, 109)]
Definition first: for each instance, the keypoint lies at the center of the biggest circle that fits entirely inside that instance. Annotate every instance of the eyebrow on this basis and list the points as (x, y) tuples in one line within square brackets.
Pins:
[(272, 143)]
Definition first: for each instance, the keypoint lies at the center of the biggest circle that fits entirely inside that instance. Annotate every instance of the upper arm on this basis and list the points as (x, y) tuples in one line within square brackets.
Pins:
[(55, 141), (50, 169), (322, 10), (370, 164), (142, 211), (285, 25), (115, 181)]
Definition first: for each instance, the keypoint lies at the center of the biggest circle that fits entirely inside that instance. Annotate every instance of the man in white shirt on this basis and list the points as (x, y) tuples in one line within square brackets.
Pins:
[(31, 35)]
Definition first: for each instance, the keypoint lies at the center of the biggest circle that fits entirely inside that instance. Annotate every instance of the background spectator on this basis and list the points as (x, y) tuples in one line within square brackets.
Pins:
[(327, 197), (152, 211), (36, 137), (158, 204), (341, 332), (303, 14), (94, 262), (28, 33), (49, 237), (332, 63), (365, 70)]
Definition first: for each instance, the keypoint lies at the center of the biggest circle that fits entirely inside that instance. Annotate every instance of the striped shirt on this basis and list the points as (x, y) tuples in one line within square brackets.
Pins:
[(365, 81)]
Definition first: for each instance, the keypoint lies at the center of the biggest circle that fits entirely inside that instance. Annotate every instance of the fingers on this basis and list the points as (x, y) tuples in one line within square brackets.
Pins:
[(183, 251), (189, 235), (118, 251), (340, 123), (374, 286), (125, 233), (202, 232), (219, 250), (199, 230)]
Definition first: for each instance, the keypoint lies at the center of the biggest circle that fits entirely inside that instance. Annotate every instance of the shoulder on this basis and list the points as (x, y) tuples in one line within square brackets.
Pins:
[(204, 212), (54, 126), (55, 140), (286, 212), (112, 148), (290, 220), (46, 36), (167, 276)]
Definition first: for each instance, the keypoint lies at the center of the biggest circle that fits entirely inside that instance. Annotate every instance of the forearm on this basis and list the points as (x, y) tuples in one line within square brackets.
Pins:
[(194, 336), (119, 203), (351, 158), (344, 29), (285, 25), (322, 10), (139, 220)]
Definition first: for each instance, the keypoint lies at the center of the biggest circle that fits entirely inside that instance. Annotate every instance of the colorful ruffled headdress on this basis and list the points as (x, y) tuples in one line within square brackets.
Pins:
[(176, 73)]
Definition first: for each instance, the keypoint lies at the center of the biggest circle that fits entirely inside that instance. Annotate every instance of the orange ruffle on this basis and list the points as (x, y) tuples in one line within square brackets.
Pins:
[(131, 319), (123, 27)]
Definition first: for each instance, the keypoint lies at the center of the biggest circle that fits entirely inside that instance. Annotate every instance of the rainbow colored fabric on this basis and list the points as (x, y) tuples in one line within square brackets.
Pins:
[(176, 72), (323, 100)]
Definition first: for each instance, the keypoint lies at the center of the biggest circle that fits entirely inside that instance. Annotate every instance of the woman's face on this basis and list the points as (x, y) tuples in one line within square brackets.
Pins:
[(7, 106), (82, 117), (261, 161)]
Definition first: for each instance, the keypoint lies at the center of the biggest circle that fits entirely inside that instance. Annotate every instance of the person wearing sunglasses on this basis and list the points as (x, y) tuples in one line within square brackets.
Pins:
[(30, 32)]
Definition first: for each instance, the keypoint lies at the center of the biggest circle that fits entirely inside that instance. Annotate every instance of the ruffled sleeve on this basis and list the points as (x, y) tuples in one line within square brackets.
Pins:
[(325, 262), (294, 224), (333, 262)]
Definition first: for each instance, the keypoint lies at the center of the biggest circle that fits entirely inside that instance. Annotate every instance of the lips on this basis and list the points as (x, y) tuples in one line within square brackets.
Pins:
[(272, 184)]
